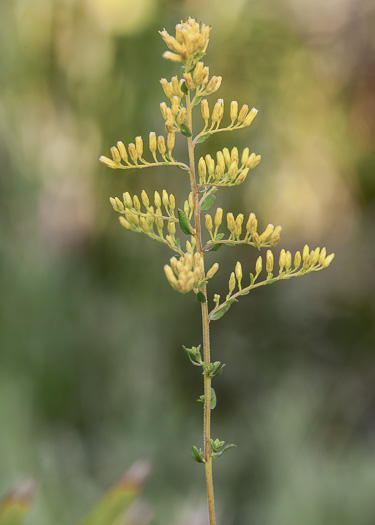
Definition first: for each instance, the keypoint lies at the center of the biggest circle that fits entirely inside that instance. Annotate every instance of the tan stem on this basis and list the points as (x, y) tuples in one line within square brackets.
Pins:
[(205, 328)]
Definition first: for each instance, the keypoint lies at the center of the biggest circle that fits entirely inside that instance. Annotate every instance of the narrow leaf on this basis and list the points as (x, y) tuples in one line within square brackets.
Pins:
[(223, 310), (200, 297), (184, 88), (251, 279), (213, 399), (208, 202), (202, 138), (185, 130), (184, 222), (219, 236), (214, 247), (197, 101), (168, 157), (218, 454)]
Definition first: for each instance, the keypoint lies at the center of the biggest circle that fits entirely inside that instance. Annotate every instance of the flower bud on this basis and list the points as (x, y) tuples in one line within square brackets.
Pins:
[(137, 204), (122, 150), (133, 153), (288, 260), (152, 142), (127, 200), (258, 265), (213, 85), (238, 272), (115, 155), (232, 284), (171, 227), (171, 142), (202, 170), (163, 109), (208, 223), (242, 114), (269, 262), (205, 109), (167, 88), (145, 199), (161, 145), (282, 260), (265, 236), (297, 260), (157, 199), (250, 117), (218, 217), (227, 158), (211, 272), (139, 146), (328, 260), (230, 222), (233, 110), (322, 256)]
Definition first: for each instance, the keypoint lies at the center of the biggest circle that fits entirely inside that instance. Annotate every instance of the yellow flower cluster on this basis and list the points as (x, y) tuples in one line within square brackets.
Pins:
[(133, 156), (308, 262), (134, 218), (185, 273), (189, 43), (229, 169), (239, 119), (270, 236)]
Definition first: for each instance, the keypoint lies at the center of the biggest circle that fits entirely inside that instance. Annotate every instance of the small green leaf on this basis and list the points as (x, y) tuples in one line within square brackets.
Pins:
[(203, 283), (184, 222), (202, 138), (200, 297), (227, 447), (178, 243), (213, 399), (223, 310), (197, 101), (168, 157), (219, 236), (201, 399), (230, 244), (185, 130), (198, 455), (184, 88), (194, 355), (251, 279), (214, 247), (208, 202), (245, 292)]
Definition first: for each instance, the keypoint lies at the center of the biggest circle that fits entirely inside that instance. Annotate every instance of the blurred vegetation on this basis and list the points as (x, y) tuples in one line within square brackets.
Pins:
[(92, 375)]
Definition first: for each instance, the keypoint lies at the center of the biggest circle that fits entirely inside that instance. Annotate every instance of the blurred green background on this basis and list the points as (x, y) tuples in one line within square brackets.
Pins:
[(92, 375)]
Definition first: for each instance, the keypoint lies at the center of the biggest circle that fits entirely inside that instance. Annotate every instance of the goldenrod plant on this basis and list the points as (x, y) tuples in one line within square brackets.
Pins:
[(180, 227)]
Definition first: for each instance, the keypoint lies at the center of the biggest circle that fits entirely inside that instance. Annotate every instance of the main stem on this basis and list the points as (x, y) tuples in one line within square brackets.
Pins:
[(205, 329)]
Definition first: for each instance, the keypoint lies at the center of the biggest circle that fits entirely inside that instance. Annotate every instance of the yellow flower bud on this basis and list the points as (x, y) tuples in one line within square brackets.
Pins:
[(115, 155), (163, 109), (171, 138), (157, 199), (227, 158), (213, 85), (161, 145), (232, 284), (208, 223), (181, 117), (211, 272), (172, 202), (322, 256), (258, 265), (233, 110), (152, 142), (242, 114), (125, 223), (253, 161), (174, 105), (238, 225), (230, 222), (245, 156), (282, 260), (250, 117), (171, 227), (173, 57), (189, 81), (127, 200), (167, 88), (122, 150), (328, 260), (315, 256), (275, 237), (145, 199), (265, 236), (144, 225), (232, 171), (218, 217), (234, 155), (220, 160), (165, 200), (205, 109), (238, 272), (133, 153), (137, 204), (269, 262), (108, 162), (297, 260), (218, 111), (202, 170)]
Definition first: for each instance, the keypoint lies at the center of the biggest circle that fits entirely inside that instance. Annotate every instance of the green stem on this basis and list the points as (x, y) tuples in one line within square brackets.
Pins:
[(205, 329)]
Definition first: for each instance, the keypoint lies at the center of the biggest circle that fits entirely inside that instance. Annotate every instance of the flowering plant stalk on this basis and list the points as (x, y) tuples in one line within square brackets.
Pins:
[(159, 219)]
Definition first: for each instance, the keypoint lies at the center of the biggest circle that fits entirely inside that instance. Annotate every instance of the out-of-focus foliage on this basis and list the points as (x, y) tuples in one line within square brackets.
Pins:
[(92, 375)]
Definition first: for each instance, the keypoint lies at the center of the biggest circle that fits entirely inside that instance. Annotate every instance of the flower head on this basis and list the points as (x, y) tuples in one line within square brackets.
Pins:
[(189, 44)]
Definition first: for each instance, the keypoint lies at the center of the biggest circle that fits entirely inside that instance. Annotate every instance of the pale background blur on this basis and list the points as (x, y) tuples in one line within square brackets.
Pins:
[(92, 375)]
